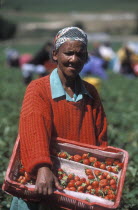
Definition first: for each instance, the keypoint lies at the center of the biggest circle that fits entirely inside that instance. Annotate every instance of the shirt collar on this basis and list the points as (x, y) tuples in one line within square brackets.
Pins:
[(57, 89)]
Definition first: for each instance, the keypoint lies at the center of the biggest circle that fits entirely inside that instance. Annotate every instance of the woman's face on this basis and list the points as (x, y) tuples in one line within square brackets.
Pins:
[(70, 58)]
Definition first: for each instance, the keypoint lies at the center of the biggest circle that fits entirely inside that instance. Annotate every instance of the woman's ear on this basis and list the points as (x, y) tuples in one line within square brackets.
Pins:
[(54, 55)]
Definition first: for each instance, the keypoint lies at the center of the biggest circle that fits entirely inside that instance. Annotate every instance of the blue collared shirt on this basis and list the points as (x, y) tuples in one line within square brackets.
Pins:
[(57, 89)]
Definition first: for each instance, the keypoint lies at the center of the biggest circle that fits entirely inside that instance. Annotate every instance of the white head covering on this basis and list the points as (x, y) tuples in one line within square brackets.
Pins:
[(69, 34)]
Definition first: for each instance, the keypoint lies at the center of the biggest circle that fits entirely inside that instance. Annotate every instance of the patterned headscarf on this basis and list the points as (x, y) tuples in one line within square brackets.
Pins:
[(70, 34)]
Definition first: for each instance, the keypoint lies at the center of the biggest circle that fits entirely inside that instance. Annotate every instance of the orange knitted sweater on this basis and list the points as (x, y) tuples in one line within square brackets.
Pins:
[(43, 118)]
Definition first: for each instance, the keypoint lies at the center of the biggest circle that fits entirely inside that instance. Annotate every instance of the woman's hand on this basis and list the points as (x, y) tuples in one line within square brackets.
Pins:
[(45, 181)]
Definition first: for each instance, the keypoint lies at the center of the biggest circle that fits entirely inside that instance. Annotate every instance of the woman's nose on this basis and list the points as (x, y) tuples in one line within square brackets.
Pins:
[(73, 58)]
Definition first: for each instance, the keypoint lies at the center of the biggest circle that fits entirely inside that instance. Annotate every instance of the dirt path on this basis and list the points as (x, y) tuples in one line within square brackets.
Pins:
[(94, 23)]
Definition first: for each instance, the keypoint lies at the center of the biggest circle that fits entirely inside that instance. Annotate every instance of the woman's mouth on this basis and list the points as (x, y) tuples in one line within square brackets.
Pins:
[(72, 67)]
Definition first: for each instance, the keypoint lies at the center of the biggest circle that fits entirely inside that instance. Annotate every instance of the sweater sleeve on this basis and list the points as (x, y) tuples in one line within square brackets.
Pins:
[(101, 126), (100, 117), (35, 127)]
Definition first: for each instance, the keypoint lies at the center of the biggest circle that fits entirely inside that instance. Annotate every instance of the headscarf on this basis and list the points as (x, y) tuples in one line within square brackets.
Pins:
[(70, 34)]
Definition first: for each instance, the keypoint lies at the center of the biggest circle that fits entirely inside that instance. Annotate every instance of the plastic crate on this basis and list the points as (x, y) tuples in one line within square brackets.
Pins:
[(68, 201)]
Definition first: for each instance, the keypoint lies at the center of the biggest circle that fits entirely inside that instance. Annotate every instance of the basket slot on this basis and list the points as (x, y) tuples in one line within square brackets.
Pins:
[(82, 206), (66, 202), (73, 149), (75, 167), (16, 164), (15, 170)]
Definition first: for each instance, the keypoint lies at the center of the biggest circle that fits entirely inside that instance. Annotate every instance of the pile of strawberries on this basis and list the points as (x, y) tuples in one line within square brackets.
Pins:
[(109, 164), (24, 177), (98, 183)]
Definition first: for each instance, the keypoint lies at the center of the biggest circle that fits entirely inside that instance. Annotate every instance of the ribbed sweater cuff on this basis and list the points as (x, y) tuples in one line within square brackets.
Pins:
[(36, 162), (104, 144)]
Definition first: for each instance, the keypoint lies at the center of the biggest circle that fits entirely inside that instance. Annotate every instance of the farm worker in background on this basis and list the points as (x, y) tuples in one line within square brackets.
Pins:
[(128, 58), (100, 59), (24, 58), (107, 54), (59, 105), (15, 59), (12, 57), (38, 63), (94, 68)]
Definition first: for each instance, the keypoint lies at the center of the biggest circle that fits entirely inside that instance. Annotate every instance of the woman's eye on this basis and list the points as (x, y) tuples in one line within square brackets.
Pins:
[(68, 53)]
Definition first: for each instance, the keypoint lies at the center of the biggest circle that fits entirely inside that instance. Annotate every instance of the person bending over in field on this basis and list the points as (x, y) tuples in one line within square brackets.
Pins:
[(39, 64)]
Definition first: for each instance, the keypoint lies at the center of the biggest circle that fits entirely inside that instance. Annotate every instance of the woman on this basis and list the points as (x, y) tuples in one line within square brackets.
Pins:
[(59, 105)]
